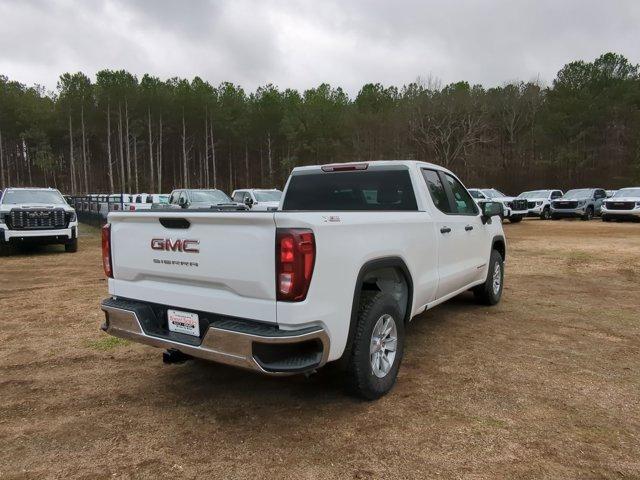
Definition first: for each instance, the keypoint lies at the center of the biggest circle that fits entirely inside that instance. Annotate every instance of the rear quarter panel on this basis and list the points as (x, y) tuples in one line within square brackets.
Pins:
[(345, 241)]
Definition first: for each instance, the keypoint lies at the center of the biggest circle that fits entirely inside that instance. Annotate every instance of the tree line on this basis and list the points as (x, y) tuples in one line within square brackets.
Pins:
[(124, 133)]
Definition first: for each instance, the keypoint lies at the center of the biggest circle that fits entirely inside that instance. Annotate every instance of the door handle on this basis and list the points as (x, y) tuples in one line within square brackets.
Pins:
[(468, 228), (445, 230)]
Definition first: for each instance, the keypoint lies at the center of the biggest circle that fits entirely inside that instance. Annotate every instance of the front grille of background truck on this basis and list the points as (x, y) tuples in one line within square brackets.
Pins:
[(620, 205), (37, 219)]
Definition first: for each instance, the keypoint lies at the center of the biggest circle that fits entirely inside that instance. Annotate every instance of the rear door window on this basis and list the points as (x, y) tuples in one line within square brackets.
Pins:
[(374, 189)]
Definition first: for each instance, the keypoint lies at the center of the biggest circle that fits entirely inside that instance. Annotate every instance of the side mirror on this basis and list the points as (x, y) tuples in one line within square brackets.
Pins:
[(248, 202), (182, 202), (490, 209)]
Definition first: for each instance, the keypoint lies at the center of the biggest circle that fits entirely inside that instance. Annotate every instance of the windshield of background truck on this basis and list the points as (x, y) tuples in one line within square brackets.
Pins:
[(209, 196), (535, 194), (32, 196), (476, 194), (493, 193), (579, 193), (267, 195), (627, 192)]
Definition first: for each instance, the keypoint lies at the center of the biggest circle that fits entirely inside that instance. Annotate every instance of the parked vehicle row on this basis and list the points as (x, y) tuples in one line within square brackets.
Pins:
[(583, 203)]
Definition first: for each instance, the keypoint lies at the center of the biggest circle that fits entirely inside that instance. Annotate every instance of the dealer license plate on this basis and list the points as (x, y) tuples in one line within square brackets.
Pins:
[(184, 322)]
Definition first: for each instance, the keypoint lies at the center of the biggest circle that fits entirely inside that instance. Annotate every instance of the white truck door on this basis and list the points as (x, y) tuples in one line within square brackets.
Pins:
[(449, 233), (474, 235)]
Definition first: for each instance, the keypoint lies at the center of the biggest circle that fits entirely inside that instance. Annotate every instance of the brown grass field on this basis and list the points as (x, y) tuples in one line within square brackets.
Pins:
[(544, 385)]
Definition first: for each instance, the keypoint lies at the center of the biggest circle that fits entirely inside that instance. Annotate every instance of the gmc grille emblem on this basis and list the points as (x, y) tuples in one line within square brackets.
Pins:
[(177, 245)]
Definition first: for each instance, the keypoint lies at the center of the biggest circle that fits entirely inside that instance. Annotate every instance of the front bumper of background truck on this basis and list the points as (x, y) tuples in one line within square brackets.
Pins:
[(48, 236), (241, 343)]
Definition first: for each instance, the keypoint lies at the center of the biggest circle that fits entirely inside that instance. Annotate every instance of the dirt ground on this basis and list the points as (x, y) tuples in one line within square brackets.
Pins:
[(545, 385)]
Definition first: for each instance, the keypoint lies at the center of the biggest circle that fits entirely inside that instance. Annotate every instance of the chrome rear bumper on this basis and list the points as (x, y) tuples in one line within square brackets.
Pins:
[(263, 348)]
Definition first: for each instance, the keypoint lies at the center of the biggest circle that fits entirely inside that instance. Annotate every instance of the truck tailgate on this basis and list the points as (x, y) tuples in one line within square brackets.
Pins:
[(223, 262)]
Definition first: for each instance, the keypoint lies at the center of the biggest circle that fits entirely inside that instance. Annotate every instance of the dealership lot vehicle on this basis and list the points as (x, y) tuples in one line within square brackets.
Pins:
[(146, 201), (623, 205), (191, 198), (514, 209), (548, 377), (583, 203), (37, 215), (288, 291), (258, 199), (539, 202)]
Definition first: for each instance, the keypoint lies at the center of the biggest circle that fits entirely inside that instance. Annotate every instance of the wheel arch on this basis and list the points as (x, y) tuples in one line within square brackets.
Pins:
[(498, 243), (368, 271)]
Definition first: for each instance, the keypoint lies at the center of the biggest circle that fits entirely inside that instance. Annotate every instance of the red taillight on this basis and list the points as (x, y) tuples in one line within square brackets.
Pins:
[(106, 250), (295, 258)]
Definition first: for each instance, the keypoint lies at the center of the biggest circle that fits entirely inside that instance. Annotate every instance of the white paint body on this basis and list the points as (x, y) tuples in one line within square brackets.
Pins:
[(235, 272)]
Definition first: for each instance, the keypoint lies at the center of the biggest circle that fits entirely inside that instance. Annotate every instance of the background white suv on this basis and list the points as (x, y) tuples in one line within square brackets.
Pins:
[(539, 202), (624, 205)]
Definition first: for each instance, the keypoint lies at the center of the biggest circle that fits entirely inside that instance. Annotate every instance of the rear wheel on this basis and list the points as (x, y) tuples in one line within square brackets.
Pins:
[(490, 292), (377, 348), (72, 246)]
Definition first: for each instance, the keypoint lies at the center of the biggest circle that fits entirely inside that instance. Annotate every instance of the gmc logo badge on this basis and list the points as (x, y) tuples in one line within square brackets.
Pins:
[(178, 245)]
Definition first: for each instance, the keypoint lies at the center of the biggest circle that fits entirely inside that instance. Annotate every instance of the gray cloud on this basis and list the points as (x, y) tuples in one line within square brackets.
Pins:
[(303, 43)]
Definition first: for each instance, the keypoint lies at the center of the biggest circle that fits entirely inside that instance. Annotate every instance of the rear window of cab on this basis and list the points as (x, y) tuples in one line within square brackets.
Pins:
[(373, 189)]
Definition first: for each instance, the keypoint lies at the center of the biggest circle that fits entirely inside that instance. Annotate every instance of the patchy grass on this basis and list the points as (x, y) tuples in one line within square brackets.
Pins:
[(108, 343)]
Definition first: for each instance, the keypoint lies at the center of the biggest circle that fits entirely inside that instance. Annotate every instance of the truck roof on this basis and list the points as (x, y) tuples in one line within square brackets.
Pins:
[(31, 188), (407, 163)]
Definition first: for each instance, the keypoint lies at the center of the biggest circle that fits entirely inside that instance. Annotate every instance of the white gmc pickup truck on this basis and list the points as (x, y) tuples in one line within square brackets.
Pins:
[(353, 252), (37, 216)]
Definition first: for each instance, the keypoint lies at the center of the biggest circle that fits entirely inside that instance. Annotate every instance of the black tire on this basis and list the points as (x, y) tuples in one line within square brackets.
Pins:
[(516, 219), (605, 219), (588, 214), (554, 217), (546, 213), (72, 246), (360, 377), (485, 293)]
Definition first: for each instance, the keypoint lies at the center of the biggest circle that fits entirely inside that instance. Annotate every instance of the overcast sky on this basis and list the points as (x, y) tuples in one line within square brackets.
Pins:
[(301, 44)]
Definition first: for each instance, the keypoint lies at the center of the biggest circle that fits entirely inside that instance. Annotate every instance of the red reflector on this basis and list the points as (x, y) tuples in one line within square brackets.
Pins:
[(295, 259), (106, 250), (344, 167)]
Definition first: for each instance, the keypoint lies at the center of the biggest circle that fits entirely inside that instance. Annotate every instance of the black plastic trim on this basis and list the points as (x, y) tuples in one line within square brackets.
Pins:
[(499, 238)]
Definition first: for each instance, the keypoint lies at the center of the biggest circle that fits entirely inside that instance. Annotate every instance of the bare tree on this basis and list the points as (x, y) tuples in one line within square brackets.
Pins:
[(84, 149), (72, 165), (3, 182), (109, 159), (122, 179), (151, 186), (184, 153)]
